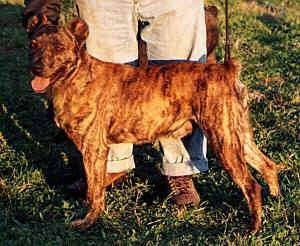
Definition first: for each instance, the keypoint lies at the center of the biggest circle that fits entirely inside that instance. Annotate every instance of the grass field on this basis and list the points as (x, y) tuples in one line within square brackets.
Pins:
[(35, 168)]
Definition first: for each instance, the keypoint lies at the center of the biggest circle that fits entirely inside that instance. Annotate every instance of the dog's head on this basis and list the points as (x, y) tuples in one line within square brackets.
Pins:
[(55, 52)]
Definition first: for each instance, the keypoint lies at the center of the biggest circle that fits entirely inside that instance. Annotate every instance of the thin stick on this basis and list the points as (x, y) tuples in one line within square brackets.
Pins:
[(227, 41)]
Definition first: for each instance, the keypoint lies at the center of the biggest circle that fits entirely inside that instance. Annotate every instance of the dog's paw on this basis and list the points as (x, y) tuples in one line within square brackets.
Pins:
[(256, 226), (81, 224), (88, 221), (253, 230), (275, 192)]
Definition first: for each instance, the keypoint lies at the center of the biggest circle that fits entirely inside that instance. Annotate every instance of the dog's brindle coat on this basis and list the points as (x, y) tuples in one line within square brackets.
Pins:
[(99, 103)]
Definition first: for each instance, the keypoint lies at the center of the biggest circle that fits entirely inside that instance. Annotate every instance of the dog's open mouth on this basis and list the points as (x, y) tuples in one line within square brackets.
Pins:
[(40, 84)]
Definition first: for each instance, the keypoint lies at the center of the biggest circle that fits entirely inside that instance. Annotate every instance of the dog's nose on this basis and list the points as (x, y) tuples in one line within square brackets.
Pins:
[(36, 71)]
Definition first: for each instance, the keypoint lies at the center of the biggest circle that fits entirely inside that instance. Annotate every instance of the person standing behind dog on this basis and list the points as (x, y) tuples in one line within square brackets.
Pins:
[(176, 32)]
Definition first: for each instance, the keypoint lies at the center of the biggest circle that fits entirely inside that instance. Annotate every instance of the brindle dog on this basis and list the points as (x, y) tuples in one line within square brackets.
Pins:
[(99, 103)]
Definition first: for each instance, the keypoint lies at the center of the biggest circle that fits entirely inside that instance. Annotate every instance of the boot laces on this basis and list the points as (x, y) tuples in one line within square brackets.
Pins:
[(180, 184)]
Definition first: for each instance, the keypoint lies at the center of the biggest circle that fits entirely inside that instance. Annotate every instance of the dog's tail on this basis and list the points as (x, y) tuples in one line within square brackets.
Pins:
[(253, 156), (232, 73), (233, 67)]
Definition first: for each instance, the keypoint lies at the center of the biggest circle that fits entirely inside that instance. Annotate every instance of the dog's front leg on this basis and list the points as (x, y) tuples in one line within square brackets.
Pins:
[(95, 169)]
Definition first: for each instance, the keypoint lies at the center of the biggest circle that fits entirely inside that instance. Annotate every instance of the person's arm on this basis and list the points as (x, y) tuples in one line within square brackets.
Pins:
[(35, 11)]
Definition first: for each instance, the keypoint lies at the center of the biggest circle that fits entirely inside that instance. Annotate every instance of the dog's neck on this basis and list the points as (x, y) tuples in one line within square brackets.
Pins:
[(74, 81), (80, 66)]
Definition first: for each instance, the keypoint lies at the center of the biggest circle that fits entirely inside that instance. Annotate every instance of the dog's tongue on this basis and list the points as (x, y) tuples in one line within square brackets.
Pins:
[(40, 84)]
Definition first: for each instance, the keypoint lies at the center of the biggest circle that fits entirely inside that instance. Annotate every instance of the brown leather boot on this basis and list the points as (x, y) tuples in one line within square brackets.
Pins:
[(183, 190)]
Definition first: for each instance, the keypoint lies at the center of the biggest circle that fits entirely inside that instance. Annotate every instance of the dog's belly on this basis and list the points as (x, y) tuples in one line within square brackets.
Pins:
[(147, 130), (145, 118)]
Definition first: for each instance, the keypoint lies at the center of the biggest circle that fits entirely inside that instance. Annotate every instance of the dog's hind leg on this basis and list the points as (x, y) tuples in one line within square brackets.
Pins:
[(263, 165), (95, 168), (234, 163)]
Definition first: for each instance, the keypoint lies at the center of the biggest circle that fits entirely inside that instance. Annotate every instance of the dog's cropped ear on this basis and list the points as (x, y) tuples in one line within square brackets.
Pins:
[(36, 21), (80, 30)]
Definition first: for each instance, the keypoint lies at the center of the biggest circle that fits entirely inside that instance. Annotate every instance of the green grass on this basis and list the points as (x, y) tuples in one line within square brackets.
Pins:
[(34, 169)]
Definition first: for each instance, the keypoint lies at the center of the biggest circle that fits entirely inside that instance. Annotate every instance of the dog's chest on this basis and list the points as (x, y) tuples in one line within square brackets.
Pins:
[(72, 111)]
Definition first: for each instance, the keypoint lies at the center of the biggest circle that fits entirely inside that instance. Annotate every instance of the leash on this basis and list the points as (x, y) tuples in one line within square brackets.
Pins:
[(227, 41)]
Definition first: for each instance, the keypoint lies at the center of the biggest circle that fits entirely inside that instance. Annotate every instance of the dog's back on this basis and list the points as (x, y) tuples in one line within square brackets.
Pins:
[(162, 97)]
